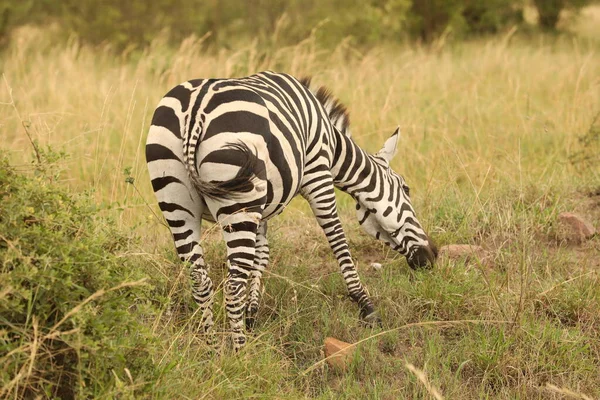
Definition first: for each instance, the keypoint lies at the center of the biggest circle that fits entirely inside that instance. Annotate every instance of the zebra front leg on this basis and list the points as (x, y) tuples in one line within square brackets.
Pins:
[(261, 260), (321, 198)]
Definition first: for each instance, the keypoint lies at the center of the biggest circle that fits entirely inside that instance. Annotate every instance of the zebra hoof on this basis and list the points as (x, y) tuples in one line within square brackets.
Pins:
[(239, 341), (251, 312), (250, 321), (372, 319)]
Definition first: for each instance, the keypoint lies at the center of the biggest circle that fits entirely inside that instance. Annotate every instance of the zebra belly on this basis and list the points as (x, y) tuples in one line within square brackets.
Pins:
[(278, 194), (207, 216), (269, 213)]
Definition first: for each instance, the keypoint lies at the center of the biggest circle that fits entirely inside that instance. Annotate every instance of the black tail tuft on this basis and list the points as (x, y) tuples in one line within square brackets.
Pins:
[(251, 169)]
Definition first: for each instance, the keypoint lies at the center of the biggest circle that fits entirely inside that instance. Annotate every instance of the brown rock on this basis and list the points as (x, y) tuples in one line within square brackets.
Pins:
[(579, 229), (338, 353), (458, 251)]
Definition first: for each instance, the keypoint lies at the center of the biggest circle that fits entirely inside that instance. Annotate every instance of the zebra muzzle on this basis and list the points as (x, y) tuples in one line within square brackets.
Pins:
[(423, 257)]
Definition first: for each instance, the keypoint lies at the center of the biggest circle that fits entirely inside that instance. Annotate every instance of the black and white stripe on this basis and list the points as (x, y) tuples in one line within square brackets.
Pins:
[(236, 151)]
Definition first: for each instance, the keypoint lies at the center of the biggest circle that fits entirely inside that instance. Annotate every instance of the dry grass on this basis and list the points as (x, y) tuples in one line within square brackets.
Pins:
[(471, 113)]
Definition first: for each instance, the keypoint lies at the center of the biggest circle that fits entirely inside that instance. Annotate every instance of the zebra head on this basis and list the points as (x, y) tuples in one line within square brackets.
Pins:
[(389, 216)]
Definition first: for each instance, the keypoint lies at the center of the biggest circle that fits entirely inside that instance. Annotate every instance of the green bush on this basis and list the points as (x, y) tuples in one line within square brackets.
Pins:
[(492, 16), (136, 23), (14, 13), (428, 19), (549, 10), (70, 305)]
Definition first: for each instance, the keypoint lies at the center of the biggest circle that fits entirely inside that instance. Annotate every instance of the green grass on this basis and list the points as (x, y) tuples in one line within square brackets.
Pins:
[(553, 340), (488, 127), (519, 322)]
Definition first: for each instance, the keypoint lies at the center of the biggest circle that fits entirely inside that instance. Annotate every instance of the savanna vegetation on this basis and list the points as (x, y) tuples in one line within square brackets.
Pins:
[(500, 135), (225, 23)]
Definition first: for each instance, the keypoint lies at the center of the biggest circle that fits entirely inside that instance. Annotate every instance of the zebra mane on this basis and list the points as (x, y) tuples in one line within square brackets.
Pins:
[(338, 113)]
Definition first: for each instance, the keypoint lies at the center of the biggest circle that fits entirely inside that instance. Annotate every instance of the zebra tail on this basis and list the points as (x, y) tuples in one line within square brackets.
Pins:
[(251, 170)]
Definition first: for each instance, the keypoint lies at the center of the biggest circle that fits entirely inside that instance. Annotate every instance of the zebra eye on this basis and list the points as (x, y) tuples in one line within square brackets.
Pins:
[(406, 190)]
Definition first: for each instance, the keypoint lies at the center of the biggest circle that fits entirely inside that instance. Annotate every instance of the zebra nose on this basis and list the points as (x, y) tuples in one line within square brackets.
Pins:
[(423, 257)]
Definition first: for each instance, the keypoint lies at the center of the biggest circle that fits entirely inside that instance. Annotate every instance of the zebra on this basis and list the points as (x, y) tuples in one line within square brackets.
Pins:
[(236, 151)]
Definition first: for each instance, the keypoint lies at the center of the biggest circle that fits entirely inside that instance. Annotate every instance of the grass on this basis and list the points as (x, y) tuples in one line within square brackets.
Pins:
[(487, 130)]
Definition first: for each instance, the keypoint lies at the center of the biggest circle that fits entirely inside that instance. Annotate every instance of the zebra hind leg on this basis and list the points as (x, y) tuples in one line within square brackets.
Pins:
[(182, 208), (202, 292), (261, 260), (240, 226), (187, 241)]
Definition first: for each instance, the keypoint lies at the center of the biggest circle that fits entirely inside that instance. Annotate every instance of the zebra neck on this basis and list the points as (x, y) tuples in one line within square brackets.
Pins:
[(354, 170)]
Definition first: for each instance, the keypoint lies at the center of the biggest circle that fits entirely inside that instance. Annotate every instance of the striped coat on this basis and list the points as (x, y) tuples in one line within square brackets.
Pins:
[(236, 151)]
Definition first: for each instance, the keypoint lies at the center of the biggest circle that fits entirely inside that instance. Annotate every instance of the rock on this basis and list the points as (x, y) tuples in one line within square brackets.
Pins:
[(339, 353), (376, 266), (579, 228), (458, 251)]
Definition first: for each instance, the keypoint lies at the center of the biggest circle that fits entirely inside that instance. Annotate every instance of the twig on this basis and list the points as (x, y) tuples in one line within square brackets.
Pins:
[(567, 392), (294, 283), (565, 282), (423, 378), (160, 220), (489, 286), (23, 124)]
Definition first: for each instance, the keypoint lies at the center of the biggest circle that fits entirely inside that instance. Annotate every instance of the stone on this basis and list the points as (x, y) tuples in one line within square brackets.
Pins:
[(338, 353), (376, 266), (458, 251), (579, 229)]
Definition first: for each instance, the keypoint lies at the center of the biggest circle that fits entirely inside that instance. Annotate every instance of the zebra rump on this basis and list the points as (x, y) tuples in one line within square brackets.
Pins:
[(251, 169)]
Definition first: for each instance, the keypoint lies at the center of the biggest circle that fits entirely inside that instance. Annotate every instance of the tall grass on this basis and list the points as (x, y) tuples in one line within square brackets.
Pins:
[(487, 127), (464, 110)]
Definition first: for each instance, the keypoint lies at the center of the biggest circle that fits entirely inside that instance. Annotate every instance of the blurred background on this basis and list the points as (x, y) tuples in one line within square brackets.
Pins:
[(225, 23), (84, 76)]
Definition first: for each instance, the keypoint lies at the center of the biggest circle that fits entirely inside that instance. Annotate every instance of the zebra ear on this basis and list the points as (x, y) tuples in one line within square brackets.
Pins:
[(390, 146)]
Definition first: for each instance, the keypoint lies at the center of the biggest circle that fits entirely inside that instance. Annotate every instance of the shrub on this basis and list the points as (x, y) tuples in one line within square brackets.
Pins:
[(428, 19), (70, 305), (492, 16), (137, 23), (549, 10)]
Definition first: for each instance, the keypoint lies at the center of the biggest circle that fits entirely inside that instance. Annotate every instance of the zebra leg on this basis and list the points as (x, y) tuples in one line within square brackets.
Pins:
[(321, 198), (239, 225), (261, 260), (202, 292), (202, 286), (182, 208)]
